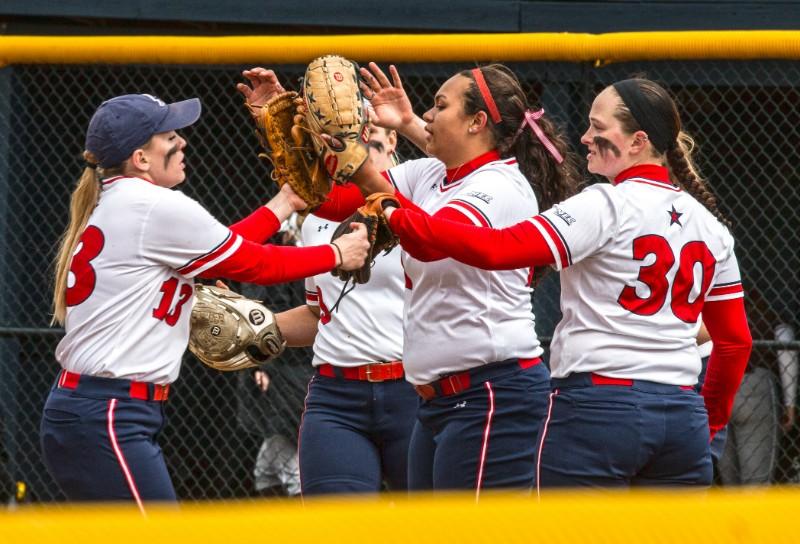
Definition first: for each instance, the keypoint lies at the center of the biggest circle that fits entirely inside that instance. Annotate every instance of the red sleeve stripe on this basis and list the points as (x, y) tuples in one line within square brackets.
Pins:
[(725, 292), (312, 298), (476, 216), (224, 250), (554, 239)]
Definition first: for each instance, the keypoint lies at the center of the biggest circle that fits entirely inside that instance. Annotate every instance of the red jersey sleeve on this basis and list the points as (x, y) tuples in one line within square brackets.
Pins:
[(518, 246), (268, 264), (257, 227), (341, 202), (726, 322)]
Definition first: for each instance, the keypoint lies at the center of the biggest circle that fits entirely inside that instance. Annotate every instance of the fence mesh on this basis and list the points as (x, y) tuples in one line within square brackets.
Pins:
[(228, 439)]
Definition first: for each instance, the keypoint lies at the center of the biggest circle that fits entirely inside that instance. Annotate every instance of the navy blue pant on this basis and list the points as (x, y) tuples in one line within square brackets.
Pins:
[(354, 434), (100, 445), (483, 437), (645, 434)]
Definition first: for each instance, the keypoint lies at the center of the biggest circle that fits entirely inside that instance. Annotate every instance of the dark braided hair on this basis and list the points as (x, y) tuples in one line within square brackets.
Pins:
[(551, 182), (678, 154)]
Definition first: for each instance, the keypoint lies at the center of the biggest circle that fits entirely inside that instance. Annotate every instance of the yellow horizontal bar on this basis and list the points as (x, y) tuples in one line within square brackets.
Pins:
[(613, 47), (753, 516)]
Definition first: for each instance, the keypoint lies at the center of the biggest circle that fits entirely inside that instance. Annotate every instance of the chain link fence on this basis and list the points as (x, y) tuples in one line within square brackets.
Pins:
[(226, 438)]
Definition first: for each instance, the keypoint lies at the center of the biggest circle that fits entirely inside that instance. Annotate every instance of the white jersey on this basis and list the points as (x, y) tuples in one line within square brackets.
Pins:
[(367, 327), (130, 288), (637, 261), (459, 317)]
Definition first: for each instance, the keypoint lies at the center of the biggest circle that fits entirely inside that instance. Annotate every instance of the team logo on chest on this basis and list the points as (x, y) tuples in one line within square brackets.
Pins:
[(674, 217)]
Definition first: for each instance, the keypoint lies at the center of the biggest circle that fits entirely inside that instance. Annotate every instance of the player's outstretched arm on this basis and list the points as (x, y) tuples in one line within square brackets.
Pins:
[(260, 225), (518, 246), (299, 325), (269, 264)]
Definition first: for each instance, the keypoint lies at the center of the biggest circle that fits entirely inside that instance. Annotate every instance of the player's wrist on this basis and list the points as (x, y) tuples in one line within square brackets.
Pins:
[(337, 254)]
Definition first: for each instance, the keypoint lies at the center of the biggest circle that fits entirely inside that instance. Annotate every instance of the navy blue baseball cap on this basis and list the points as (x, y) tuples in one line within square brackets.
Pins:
[(123, 124)]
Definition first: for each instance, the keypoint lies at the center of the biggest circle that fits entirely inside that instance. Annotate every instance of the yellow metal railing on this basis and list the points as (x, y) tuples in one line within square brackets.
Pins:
[(600, 48)]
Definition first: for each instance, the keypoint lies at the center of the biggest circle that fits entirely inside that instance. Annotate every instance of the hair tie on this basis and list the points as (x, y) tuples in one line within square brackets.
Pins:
[(529, 119), (487, 95), (91, 165)]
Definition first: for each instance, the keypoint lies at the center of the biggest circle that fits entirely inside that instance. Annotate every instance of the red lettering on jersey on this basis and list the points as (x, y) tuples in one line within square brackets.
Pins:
[(655, 277), (324, 313), (91, 244), (169, 289), (691, 254)]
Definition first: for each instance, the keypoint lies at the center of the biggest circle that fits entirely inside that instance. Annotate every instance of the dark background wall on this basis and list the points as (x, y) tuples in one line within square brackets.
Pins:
[(321, 16)]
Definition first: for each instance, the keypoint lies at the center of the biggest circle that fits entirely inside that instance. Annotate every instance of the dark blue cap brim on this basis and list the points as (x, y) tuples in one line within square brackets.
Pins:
[(180, 115)]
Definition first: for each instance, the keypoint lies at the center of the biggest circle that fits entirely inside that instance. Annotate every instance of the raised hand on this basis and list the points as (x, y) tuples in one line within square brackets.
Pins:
[(390, 103), (264, 85)]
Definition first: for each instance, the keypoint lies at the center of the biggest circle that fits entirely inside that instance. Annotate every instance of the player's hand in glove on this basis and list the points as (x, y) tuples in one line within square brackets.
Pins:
[(352, 249), (264, 85), (231, 332), (333, 106), (290, 150), (380, 236)]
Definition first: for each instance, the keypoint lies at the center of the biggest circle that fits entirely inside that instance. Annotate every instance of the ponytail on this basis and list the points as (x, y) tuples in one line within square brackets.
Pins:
[(684, 173), (82, 203), (551, 181)]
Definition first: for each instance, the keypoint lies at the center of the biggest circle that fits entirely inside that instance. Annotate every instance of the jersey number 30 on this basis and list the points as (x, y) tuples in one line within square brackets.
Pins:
[(654, 276)]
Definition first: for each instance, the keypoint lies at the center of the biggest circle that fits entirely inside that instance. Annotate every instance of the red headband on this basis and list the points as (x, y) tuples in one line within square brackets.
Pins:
[(487, 95)]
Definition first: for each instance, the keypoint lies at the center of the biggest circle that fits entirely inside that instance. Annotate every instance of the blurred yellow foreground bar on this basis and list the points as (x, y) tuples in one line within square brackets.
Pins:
[(768, 515), (569, 47)]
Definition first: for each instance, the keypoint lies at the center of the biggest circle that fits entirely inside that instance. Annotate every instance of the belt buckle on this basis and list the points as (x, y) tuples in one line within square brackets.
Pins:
[(368, 373)]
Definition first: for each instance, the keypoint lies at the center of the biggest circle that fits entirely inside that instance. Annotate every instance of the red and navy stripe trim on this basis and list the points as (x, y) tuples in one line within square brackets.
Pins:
[(549, 228), (463, 205), (198, 262)]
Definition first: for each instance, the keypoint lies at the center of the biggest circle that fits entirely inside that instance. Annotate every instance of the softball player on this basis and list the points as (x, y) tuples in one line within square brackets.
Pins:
[(470, 345), (124, 289), (640, 259), (359, 410)]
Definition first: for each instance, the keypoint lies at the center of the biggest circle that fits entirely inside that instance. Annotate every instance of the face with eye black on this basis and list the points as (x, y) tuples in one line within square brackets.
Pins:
[(611, 149), (161, 159), (382, 143)]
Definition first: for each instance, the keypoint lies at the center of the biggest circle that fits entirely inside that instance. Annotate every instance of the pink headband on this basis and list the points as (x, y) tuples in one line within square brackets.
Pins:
[(487, 95), (530, 119)]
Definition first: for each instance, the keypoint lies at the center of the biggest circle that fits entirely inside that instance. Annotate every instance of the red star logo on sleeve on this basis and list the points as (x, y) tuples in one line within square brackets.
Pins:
[(674, 217)]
